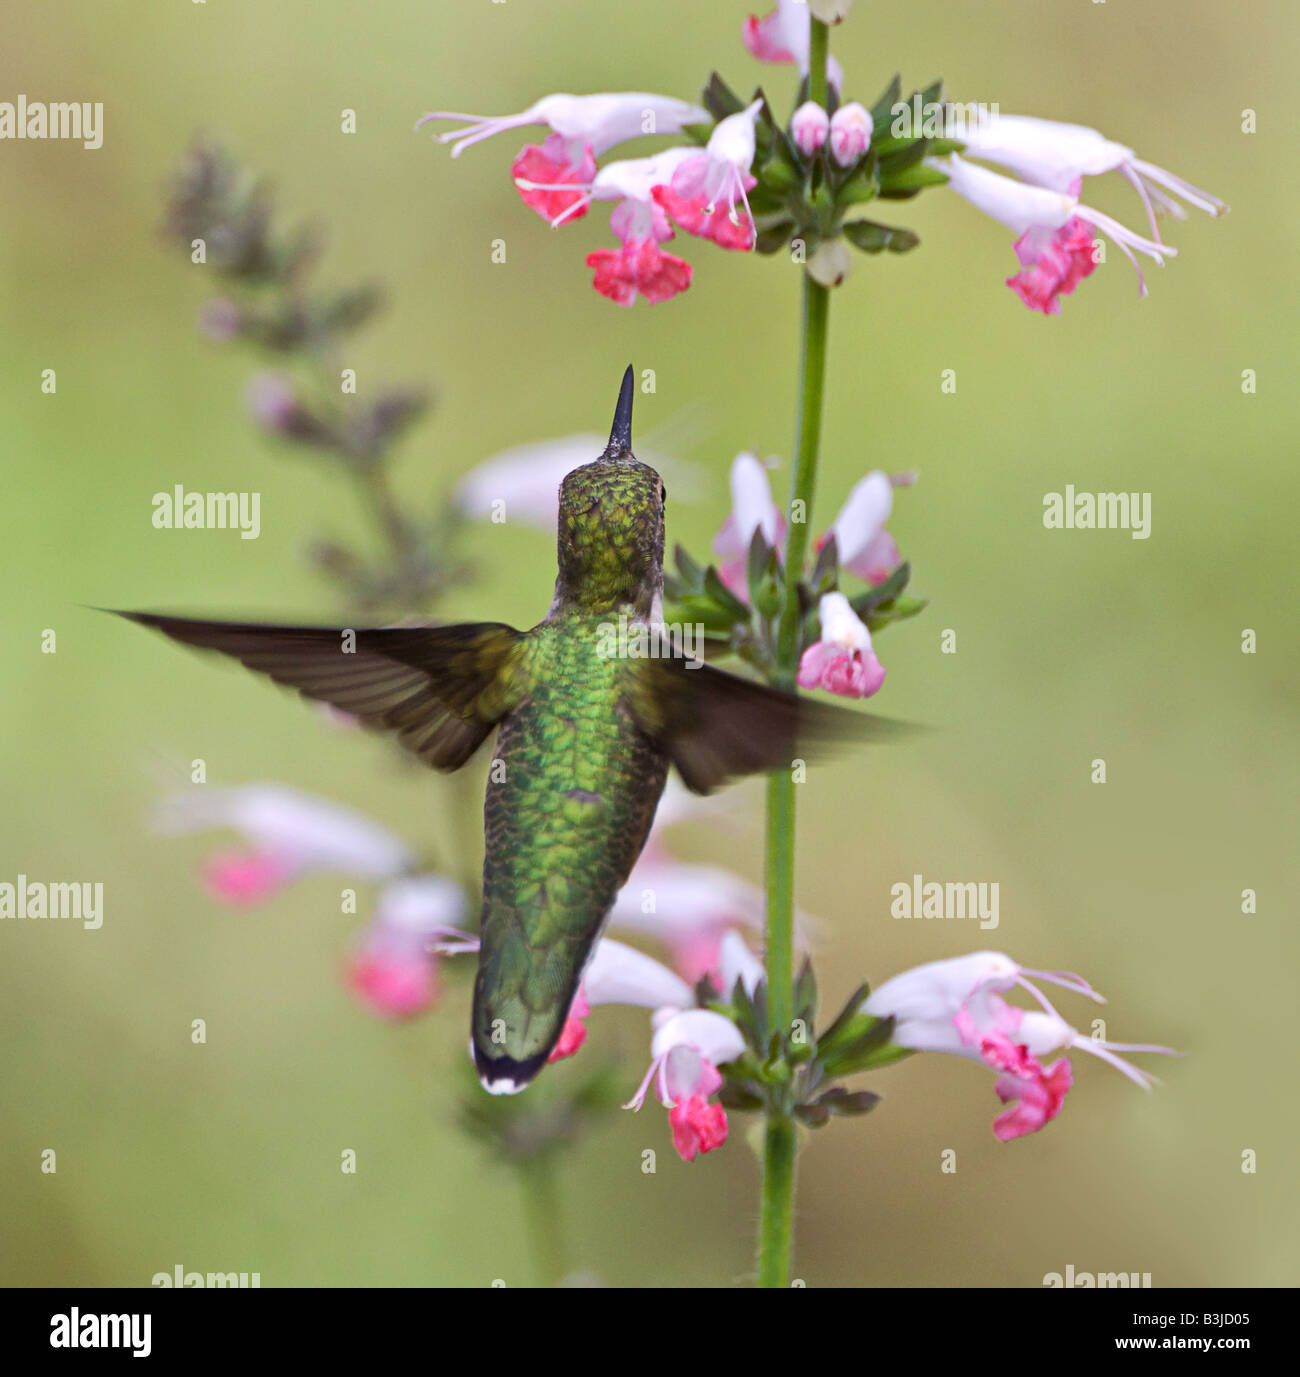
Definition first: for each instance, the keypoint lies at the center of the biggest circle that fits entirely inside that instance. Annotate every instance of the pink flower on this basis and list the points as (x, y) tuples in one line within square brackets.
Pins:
[(752, 509), (575, 1029), (592, 123), (955, 1006), (784, 35), (288, 833), (394, 970), (244, 878), (717, 179), (850, 132), (687, 1049), (809, 127), (1056, 261), (393, 985), (638, 268), (842, 660), (697, 1126), (865, 547), (552, 164), (1058, 156), (1050, 227)]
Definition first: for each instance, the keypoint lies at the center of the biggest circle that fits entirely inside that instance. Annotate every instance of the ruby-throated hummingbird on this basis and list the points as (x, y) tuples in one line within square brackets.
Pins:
[(584, 737)]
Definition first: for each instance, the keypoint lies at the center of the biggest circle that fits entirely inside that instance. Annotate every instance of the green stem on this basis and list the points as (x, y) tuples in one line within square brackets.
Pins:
[(543, 1220), (776, 1215)]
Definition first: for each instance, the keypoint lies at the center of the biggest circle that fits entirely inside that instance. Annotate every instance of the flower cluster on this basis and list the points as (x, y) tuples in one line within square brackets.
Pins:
[(738, 600), (748, 182)]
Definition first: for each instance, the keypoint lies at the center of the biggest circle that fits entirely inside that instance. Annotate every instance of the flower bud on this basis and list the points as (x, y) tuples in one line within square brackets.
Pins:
[(830, 264), (809, 128), (850, 133)]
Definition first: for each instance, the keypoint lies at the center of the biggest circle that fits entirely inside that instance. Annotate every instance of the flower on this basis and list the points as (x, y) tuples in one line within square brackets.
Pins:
[(589, 124), (288, 833), (865, 547), (809, 127), (686, 1051), (752, 509), (1057, 156), (705, 187), (394, 970), (639, 268), (842, 660), (541, 174), (955, 1006), (784, 35), (850, 133), (1054, 229)]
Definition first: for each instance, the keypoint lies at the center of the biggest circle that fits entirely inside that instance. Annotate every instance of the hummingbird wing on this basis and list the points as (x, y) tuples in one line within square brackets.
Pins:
[(440, 688), (715, 726)]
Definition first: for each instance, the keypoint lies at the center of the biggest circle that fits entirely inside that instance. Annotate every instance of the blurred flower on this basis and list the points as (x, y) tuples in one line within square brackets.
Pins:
[(954, 1006), (784, 35), (394, 970), (540, 173), (274, 403), (850, 133), (1054, 229), (865, 547), (809, 126), (288, 834), (842, 660), (687, 1048)]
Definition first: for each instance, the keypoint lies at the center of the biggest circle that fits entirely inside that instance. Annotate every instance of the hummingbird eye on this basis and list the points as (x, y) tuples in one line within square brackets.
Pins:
[(663, 493)]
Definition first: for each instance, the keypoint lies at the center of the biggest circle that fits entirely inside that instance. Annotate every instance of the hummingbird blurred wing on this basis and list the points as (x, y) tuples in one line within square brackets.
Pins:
[(441, 689), (715, 726)]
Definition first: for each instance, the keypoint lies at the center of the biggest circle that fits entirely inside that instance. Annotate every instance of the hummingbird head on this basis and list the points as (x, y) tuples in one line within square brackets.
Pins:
[(611, 529)]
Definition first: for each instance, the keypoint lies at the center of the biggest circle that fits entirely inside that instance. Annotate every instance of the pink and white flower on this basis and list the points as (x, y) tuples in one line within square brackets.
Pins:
[(706, 186), (593, 123), (752, 509), (1054, 229), (1057, 156), (841, 661), (809, 128), (865, 547), (850, 133), (955, 1006), (287, 834), (785, 35), (687, 1049), (394, 969)]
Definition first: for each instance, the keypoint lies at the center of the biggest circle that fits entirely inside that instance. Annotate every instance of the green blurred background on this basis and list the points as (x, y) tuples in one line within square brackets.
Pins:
[(1070, 646)]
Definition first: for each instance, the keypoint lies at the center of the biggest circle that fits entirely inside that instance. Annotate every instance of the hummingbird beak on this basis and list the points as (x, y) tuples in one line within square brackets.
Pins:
[(620, 435)]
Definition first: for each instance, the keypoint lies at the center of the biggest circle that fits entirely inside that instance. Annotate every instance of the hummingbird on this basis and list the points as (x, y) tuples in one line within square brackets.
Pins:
[(584, 741)]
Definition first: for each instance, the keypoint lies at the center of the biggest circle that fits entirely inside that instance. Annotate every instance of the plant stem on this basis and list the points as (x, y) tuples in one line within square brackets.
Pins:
[(543, 1220), (776, 1215)]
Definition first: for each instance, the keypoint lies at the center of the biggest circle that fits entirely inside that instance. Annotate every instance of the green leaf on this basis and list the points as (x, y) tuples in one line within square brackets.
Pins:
[(805, 995), (883, 592), (691, 572), (871, 237), (827, 567), (905, 184), (898, 611), (720, 100), (882, 112), (773, 238), (722, 596), (860, 188)]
